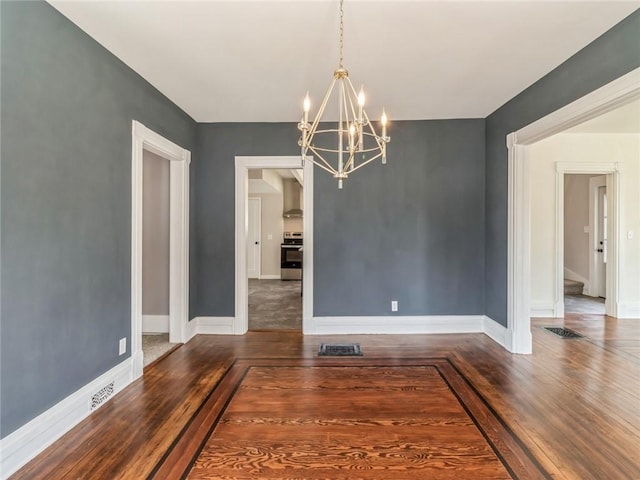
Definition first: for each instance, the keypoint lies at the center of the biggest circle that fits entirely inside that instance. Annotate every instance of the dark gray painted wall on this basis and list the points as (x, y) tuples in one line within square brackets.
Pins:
[(412, 230), (609, 57), (67, 107), (212, 268)]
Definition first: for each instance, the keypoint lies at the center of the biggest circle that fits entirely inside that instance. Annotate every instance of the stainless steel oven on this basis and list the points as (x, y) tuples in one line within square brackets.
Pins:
[(291, 256)]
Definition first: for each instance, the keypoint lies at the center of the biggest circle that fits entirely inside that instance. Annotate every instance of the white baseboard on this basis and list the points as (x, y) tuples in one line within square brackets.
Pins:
[(19, 447), (496, 332), (397, 324), (210, 326), (628, 309), (542, 310), (270, 277), (155, 323)]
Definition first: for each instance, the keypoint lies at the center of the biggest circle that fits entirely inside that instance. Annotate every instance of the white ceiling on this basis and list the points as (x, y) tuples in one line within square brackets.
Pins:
[(239, 61)]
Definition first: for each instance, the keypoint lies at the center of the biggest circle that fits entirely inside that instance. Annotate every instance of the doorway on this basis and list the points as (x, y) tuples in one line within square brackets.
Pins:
[(178, 159), (243, 167), (155, 257), (274, 279), (619, 92), (583, 226)]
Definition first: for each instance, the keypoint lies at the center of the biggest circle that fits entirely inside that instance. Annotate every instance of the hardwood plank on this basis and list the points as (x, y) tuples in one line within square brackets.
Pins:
[(301, 439), (573, 405)]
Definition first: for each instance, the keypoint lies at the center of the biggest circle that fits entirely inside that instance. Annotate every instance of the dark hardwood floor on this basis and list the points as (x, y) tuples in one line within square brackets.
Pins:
[(573, 405)]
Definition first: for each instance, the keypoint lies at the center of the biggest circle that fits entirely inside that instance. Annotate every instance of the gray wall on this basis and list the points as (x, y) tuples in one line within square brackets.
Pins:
[(155, 234), (67, 107), (609, 57), (212, 266), (412, 230)]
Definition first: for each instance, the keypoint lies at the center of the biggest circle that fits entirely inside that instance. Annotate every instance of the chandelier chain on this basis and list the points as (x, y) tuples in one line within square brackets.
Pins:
[(341, 32)]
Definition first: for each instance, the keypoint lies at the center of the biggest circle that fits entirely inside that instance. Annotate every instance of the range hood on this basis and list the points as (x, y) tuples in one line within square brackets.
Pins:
[(292, 196)]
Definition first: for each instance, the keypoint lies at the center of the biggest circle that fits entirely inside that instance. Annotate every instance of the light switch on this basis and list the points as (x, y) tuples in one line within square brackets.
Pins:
[(630, 234)]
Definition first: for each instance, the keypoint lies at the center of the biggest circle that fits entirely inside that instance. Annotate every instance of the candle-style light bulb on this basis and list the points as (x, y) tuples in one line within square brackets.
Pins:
[(352, 134), (383, 121), (306, 105)]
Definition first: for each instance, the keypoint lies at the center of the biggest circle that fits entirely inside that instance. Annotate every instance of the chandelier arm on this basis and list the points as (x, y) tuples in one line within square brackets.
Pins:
[(323, 105), (327, 166), (375, 157), (319, 165), (353, 146), (373, 132)]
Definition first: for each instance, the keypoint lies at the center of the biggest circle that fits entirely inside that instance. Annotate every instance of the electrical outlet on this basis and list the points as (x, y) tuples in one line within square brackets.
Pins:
[(269, 237), (394, 305), (122, 346)]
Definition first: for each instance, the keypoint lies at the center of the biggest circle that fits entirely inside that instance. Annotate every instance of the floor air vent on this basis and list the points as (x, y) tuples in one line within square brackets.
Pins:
[(101, 396), (564, 332), (339, 350)]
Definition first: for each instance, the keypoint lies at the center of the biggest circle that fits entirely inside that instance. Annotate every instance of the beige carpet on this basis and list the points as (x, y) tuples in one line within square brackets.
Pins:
[(154, 346)]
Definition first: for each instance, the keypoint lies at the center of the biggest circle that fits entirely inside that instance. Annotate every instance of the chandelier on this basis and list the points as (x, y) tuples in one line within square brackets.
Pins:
[(357, 142)]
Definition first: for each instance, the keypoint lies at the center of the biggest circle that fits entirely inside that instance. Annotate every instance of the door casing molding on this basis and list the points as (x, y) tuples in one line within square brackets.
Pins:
[(602, 100), (179, 160), (242, 166), (613, 173)]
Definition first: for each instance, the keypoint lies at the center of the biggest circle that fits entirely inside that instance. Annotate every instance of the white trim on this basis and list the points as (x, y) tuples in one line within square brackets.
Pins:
[(495, 331), (604, 99), (24, 444), (155, 323), (629, 310), (270, 277), (242, 166), (211, 326), (543, 310), (613, 192), (146, 139), (398, 324)]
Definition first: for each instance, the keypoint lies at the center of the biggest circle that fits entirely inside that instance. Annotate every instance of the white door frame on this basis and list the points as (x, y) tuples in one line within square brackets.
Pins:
[(612, 171), (602, 100), (242, 167), (146, 139), (259, 201)]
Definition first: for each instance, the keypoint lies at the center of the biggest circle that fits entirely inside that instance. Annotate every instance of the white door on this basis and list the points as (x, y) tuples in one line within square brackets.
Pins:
[(253, 238), (601, 237), (598, 233)]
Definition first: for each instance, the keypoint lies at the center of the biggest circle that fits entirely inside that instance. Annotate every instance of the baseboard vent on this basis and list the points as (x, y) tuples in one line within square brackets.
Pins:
[(101, 396), (339, 350), (563, 332)]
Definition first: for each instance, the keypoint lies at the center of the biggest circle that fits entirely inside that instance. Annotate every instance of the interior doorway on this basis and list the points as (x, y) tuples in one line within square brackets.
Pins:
[(178, 160), (155, 257), (583, 226), (244, 168), (617, 93)]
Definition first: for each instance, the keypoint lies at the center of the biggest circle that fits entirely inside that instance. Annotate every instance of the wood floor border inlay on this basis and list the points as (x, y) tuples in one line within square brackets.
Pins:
[(230, 421)]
